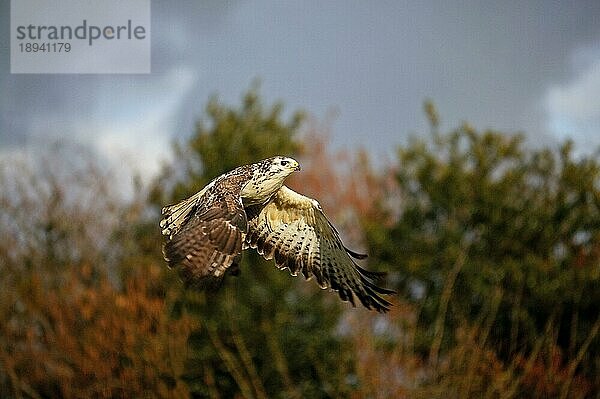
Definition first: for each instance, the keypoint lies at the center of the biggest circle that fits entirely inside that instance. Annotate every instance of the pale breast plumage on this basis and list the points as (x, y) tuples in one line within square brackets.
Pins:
[(250, 207)]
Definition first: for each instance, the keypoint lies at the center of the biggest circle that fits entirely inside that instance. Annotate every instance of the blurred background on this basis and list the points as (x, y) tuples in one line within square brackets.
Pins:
[(455, 142)]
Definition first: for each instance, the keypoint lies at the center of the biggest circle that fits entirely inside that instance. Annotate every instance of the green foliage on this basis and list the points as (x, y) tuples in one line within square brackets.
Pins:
[(497, 235)]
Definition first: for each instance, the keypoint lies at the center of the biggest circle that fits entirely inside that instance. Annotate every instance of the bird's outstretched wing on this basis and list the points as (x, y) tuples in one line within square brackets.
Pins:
[(205, 232), (292, 229)]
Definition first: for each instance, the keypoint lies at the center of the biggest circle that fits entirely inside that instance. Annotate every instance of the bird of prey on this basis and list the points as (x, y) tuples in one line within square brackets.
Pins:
[(249, 207)]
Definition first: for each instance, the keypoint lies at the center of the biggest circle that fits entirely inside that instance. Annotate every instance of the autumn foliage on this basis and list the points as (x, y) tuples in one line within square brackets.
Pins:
[(493, 248)]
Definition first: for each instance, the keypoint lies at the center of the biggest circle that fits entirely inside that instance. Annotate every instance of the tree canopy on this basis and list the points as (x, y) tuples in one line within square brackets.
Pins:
[(492, 245)]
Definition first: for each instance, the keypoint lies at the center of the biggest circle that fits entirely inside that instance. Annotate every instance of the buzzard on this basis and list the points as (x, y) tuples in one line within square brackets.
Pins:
[(249, 207)]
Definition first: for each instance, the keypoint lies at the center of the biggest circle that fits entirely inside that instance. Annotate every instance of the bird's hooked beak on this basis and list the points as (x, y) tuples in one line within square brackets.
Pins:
[(293, 165)]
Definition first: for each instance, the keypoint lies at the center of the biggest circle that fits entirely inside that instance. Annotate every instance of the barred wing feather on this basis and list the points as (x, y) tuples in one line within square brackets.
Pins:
[(293, 230), (207, 246), (205, 233)]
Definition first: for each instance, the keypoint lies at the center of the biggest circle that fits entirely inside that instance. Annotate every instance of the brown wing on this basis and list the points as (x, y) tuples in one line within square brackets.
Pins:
[(205, 233), (293, 229), (207, 246)]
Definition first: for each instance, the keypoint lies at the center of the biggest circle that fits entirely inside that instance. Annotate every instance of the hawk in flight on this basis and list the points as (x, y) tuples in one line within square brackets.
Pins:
[(249, 207)]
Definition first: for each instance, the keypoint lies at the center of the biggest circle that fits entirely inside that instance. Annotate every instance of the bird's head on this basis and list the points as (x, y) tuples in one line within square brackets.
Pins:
[(268, 177), (283, 165)]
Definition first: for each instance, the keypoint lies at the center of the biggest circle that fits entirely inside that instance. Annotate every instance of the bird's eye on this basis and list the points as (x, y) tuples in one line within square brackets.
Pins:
[(284, 162)]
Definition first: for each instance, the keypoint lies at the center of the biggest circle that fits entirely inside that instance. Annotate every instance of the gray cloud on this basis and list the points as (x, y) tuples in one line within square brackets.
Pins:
[(492, 63)]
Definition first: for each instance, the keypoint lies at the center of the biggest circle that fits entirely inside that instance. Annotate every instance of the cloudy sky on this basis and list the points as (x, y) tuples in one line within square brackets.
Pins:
[(530, 66)]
